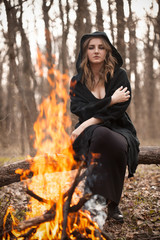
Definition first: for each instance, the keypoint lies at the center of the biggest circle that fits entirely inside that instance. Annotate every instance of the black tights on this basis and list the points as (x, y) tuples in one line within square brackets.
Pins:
[(107, 177)]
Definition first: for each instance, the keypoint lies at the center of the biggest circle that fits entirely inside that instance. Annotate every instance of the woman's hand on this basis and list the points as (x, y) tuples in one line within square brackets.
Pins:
[(76, 132), (120, 95)]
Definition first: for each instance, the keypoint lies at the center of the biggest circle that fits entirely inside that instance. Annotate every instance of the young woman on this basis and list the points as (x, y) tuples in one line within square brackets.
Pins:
[(100, 94)]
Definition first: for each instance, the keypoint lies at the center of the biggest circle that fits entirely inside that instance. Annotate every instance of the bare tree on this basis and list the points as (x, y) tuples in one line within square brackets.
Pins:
[(24, 79), (83, 22), (133, 58), (150, 83), (65, 31), (111, 21), (2, 115), (120, 29), (46, 6), (157, 32), (99, 16), (10, 126)]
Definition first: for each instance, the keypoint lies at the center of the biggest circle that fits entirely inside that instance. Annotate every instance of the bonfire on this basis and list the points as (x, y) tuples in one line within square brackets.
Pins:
[(55, 209)]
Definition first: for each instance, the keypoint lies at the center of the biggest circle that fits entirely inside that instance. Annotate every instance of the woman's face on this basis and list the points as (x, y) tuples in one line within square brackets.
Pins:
[(96, 52)]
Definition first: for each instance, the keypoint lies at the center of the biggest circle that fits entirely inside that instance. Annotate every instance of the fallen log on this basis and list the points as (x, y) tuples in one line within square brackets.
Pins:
[(8, 175), (147, 155)]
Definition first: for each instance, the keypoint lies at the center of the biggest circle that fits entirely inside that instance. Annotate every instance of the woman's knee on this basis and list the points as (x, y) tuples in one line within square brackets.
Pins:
[(104, 138)]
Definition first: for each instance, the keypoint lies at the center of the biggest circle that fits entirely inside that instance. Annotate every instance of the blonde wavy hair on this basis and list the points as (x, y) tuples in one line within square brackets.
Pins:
[(108, 67)]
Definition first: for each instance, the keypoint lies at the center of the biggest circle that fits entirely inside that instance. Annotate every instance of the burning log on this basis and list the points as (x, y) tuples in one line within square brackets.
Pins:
[(35, 221), (49, 215), (8, 173), (29, 233), (147, 155)]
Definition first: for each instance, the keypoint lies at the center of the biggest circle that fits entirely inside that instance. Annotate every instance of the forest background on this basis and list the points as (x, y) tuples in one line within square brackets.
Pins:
[(31, 30)]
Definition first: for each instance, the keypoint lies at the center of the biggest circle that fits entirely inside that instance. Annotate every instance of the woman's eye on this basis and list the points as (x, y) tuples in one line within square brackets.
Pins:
[(92, 47)]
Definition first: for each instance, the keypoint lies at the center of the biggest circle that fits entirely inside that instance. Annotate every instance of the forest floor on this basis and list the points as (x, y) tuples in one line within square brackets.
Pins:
[(140, 205)]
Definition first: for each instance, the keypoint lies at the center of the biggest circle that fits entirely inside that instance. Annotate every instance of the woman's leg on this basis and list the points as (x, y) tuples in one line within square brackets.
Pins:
[(107, 177)]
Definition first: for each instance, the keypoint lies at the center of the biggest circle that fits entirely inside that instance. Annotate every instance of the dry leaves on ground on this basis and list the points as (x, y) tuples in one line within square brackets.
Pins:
[(140, 205)]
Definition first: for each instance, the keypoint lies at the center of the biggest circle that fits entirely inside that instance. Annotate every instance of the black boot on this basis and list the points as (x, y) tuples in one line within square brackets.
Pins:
[(114, 212)]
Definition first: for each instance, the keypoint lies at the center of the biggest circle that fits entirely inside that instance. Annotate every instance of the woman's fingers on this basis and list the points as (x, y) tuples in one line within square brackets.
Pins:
[(124, 94), (124, 89), (73, 137), (127, 93)]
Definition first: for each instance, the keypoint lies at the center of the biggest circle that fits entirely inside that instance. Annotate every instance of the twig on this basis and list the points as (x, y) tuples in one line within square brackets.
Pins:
[(106, 235), (46, 217), (40, 199), (68, 201), (81, 202)]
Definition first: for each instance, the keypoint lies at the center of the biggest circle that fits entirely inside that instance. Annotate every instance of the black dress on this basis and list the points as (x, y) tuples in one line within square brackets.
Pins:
[(114, 139)]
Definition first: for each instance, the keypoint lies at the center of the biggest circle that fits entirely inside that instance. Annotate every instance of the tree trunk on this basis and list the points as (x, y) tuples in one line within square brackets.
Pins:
[(26, 89), (99, 16), (120, 30), (2, 114), (132, 69), (83, 23), (65, 30), (10, 126), (147, 155), (150, 85), (111, 21), (23, 78), (46, 5), (157, 24)]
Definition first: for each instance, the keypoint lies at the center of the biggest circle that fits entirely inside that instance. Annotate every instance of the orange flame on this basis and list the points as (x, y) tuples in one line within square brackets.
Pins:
[(53, 163)]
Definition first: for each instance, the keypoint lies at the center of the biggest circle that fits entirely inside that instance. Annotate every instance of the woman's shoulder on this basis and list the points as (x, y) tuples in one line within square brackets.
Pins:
[(119, 78), (120, 71)]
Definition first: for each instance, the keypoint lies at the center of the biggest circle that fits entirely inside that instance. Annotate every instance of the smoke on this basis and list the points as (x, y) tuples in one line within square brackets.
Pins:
[(97, 208)]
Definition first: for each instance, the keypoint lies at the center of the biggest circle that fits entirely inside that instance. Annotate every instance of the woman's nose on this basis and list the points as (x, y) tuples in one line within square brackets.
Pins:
[(96, 49)]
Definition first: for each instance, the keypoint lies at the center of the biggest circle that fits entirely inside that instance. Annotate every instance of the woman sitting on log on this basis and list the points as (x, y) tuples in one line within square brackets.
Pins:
[(100, 95)]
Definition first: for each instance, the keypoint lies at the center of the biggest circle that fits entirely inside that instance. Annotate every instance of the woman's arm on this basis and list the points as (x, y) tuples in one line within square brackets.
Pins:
[(119, 96), (83, 126)]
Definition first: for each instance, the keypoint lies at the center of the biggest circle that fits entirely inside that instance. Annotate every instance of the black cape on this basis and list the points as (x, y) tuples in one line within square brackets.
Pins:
[(85, 105)]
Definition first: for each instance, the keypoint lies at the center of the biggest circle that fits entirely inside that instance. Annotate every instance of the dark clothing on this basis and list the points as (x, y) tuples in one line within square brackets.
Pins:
[(108, 138), (108, 176), (85, 105)]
